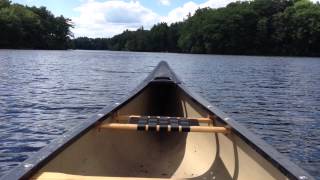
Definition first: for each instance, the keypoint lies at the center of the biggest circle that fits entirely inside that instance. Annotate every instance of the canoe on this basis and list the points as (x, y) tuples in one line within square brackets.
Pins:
[(161, 130)]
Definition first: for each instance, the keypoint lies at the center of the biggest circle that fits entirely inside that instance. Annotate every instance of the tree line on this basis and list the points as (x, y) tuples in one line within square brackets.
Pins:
[(32, 28), (258, 27)]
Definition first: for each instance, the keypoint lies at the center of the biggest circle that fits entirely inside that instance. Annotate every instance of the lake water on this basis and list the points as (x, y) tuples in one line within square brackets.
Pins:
[(43, 94)]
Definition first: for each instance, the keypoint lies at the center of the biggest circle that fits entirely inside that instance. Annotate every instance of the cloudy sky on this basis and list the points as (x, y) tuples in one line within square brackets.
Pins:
[(105, 18)]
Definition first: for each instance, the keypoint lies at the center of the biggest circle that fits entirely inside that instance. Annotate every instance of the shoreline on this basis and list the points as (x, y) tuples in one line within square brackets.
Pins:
[(250, 55)]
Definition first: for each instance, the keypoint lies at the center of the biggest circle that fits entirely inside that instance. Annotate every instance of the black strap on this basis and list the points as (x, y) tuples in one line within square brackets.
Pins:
[(163, 122)]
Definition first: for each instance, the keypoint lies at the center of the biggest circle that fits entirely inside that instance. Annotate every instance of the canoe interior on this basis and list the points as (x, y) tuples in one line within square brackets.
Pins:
[(124, 154)]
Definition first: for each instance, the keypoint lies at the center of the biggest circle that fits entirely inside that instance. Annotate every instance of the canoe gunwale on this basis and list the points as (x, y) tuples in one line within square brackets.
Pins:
[(37, 160)]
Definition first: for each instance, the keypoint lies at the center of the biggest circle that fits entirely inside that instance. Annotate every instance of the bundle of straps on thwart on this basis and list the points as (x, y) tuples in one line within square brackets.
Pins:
[(163, 123)]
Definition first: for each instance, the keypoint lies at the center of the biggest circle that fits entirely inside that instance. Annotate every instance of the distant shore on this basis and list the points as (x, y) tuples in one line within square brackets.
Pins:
[(258, 27), (253, 55)]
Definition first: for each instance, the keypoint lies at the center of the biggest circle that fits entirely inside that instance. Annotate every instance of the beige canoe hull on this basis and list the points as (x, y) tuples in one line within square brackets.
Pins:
[(106, 153)]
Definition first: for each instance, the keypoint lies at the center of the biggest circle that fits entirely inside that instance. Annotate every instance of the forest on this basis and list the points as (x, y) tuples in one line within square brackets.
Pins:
[(23, 27), (258, 27)]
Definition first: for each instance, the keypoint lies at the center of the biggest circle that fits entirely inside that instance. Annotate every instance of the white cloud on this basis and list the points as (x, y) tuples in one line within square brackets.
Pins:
[(105, 19), (165, 2), (180, 13), (108, 18)]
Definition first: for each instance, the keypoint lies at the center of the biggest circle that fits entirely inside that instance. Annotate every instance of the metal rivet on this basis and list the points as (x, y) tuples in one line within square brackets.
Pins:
[(116, 103), (226, 118), (303, 177), (100, 115), (28, 165), (209, 106)]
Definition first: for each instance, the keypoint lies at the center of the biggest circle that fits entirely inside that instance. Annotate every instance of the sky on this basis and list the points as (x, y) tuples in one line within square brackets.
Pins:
[(106, 18)]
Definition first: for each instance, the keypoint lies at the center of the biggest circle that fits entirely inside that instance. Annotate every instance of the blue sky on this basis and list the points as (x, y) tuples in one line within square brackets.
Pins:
[(105, 18)]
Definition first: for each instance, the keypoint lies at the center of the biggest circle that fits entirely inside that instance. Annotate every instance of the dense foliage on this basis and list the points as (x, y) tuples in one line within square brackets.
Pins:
[(269, 27), (266, 27), (32, 28)]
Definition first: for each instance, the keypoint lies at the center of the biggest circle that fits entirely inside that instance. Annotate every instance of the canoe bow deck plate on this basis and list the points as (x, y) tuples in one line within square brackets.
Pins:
[(161, 130)]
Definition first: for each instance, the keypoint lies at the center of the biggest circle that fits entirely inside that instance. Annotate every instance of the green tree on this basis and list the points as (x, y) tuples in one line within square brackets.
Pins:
[(31, 27), (158, 37), (298, 29)]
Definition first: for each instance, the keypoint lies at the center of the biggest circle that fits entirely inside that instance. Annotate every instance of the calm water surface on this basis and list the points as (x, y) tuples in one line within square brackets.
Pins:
[(43, 94)]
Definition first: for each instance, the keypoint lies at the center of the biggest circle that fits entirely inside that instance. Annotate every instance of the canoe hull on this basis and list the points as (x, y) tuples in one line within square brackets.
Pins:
[(116, 153)]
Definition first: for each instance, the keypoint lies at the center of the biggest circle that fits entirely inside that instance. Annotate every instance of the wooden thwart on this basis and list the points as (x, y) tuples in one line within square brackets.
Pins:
[(134, 127), (127, 117)]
